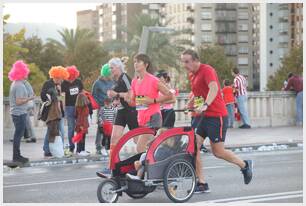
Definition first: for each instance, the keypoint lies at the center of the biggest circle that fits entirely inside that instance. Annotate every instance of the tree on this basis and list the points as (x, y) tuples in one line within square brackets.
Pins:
[(50, 56), (36, 78), (292, 62), (162, 48), (71, 39), (34, 46), (81, 49), (215, 56), (89, 56), (11, 50)]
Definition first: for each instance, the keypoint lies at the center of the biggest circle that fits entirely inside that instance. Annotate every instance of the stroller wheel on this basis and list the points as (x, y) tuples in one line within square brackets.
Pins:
[(179, 181), (106, 192)]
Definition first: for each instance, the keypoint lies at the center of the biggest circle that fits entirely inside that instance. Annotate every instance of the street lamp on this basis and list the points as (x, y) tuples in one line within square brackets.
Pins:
[(145, 36)]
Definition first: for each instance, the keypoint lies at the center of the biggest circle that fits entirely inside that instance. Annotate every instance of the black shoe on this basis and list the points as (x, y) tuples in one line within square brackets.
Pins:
[(201, 188), (21, 159), (31, 140), (247, 171), (47, 154), (245, 126), (203, 149)]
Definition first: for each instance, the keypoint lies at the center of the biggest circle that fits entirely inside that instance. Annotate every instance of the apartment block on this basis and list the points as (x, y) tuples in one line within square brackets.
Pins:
[(88, 19)]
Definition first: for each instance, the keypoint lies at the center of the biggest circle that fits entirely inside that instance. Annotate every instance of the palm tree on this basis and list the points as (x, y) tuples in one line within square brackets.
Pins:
[(71, 40)]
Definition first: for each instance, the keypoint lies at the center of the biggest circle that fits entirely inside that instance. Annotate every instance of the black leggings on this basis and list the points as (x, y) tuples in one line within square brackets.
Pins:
[(168, 117), (81, 145)]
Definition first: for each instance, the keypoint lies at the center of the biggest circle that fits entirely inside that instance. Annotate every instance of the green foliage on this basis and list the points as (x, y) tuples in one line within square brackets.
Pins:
[(50, 56), (34, 46), (80, 48), (36, 78), (293, 62), (71, 40), (215, 56), (162, 48), (11, 51)]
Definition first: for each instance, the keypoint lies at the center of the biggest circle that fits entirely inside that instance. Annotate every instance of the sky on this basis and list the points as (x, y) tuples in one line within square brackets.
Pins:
[(62, 14)]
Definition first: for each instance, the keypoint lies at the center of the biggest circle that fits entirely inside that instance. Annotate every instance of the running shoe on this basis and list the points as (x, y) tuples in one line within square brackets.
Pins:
[(247, 171)]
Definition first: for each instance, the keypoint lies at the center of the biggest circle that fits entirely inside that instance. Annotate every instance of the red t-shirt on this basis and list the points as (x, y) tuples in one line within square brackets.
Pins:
[(199, 87), (228, 95)]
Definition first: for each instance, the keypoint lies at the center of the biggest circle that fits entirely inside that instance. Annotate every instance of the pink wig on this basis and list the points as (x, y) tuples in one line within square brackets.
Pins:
[(19, 71), (73, 72)]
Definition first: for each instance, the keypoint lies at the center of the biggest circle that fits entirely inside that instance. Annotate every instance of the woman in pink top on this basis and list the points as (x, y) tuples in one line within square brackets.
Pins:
[(145, 93)]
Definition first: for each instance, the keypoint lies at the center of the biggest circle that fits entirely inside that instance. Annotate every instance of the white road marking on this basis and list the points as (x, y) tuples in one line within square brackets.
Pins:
[(256, 197), (270, 198), (51, 182)]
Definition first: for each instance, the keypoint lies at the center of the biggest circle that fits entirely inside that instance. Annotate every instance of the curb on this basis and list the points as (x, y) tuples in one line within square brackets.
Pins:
[(95, 158)]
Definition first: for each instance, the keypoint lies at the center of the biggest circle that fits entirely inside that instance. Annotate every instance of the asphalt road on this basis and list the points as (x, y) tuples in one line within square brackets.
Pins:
[(278, 178)]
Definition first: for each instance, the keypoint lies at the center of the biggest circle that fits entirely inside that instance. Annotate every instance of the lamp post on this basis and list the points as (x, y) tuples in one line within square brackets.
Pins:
[(145, 36)]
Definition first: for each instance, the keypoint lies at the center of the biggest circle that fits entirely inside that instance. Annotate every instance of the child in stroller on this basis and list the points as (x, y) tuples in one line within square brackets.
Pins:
[(164, 151)]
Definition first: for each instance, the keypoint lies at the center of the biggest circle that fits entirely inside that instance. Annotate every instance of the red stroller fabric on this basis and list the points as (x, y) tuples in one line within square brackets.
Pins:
[(107, 128), (78, 137), (92, 100)]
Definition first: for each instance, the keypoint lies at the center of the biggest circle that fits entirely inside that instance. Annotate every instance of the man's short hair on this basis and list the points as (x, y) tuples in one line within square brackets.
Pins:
[(192, 53), (227, 82), (290, 75), (236, 71)]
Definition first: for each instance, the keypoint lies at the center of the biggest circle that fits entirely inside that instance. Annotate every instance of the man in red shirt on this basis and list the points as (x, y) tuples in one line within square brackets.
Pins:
[(295, 83), (209, 103)]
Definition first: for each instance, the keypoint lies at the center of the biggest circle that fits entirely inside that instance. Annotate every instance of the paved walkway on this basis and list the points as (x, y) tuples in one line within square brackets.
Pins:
[(254, 137)]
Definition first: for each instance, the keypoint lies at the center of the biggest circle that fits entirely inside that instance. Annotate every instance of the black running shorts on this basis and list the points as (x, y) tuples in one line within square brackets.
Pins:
[(213, 127)]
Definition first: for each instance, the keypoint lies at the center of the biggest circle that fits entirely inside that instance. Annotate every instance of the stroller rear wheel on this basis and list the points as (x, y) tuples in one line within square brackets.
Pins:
[(179, 181), (106, 192)]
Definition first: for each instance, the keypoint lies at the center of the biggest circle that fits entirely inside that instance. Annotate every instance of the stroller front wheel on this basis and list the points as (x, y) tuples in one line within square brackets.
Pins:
[(106, 192)]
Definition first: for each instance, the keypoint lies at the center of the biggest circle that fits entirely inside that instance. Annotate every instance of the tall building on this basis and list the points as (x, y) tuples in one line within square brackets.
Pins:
[(296, 23), (229, 25), (88, 19), (115, 16)]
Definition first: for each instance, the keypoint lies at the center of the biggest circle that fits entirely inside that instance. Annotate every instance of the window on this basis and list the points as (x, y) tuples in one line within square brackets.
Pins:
[(243, 61), (271, 64), (271, 14), (243, 27), (206, 38), (171, 146), (243, 38), (271, 51), (206, 15), (206, 27), (243, 50), (271, 39), (243, 15), (271, 27)]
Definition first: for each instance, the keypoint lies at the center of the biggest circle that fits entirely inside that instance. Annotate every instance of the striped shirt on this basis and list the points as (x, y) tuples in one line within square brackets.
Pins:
[(240, 84), (107, 114)]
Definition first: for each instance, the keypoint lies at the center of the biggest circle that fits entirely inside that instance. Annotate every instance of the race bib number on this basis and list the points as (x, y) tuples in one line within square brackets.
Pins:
[(198, 102), (74, 91), (139, 103)]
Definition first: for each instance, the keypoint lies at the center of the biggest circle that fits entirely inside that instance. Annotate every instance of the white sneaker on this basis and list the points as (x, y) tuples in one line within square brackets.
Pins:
[(104, 152), (132, 177), (83, 153)]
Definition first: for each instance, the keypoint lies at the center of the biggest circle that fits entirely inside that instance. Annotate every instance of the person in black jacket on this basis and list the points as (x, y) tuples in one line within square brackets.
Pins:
[(49, 91)]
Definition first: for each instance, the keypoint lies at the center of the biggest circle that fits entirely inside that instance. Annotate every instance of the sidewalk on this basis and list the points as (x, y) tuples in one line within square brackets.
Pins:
[(235, 138)]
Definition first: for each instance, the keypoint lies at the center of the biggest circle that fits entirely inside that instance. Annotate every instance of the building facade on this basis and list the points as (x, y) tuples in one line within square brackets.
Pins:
[(88, 19), (228, 25)]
